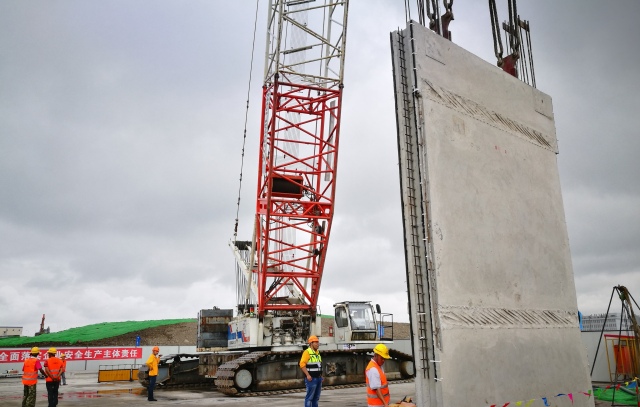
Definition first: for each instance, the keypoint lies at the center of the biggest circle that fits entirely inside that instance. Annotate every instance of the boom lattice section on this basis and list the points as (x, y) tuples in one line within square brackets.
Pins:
[(301, 104)]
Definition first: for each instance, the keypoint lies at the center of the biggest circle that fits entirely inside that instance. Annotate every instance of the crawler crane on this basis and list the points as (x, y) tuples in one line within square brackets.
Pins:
[(279, 272)]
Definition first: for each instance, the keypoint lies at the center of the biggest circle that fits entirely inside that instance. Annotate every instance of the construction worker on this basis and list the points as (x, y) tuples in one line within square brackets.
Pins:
[(377, 387), (152, 363), (53, 368), (63, 357), (311, 366), (30, 377)]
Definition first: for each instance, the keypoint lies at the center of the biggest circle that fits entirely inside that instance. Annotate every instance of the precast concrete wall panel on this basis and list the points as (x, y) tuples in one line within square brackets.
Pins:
[(500, 288)]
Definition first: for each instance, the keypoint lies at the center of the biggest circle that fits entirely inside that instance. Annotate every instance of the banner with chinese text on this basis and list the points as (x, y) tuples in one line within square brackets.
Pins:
[(73, 354)]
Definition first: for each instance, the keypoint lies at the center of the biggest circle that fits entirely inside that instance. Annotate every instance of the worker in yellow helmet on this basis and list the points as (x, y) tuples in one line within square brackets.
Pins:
[(377, 386), (53, 367), (152, 363), (30, 377), (311, 366)]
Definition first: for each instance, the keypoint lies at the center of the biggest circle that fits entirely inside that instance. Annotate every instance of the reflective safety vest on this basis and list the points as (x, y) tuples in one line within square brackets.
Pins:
[(372, 396), (314, 365), (30, 375), (54, 365)]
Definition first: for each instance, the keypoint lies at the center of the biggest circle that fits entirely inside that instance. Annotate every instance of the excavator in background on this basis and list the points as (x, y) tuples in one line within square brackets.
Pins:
[(42, 330), (279, 271)]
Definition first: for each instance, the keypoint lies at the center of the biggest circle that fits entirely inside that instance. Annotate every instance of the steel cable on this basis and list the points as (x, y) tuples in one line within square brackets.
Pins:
[(246, 116)]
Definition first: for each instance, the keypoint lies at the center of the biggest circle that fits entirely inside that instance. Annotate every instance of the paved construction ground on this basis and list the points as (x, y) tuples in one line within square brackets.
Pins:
[(83, 389)]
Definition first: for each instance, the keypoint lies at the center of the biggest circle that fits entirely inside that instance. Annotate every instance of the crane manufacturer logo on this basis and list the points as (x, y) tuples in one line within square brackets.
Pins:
[(238, 334)]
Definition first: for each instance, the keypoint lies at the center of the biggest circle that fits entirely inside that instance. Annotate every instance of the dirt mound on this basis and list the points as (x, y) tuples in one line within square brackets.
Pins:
[(183, 334)]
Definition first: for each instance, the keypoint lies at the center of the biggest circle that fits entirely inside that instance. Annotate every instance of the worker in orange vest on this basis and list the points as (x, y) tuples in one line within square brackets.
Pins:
[(63, 357), (377, 386), (30, 377), (152, 363), (53, 368)]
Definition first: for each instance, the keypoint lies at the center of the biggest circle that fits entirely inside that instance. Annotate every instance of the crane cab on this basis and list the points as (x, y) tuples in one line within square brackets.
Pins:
[(357, 321)]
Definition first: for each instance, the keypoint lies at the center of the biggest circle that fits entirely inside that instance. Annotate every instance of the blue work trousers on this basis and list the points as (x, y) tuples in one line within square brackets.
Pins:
[(52, 393), (314, 387), (152, 384)]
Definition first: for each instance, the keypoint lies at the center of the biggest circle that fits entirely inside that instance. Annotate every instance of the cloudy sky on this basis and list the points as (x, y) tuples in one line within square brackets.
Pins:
[(121, 127)]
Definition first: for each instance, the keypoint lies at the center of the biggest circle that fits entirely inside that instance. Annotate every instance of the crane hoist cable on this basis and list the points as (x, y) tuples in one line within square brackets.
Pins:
[(495, 30), (430, 9), (509, 62), (246, 116), (514, 38), (433, 12), (446, 19), (407, 11)]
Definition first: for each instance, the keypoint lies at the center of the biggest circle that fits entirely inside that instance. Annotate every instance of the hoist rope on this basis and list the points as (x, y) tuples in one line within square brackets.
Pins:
[(495, 30), (407, 11), (246, 117), (514, 40)]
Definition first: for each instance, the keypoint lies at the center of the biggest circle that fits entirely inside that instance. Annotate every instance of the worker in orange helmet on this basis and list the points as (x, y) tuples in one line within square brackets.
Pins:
[(377, 386), (53, 368), (311, 366), (152, 363), (30, 370)]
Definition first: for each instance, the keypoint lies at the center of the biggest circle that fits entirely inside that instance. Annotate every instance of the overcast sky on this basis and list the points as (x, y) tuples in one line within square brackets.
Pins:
[(121, 127)]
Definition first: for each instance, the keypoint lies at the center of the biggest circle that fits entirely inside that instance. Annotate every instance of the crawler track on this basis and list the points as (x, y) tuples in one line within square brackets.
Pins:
[(226, 382), (302, 390)]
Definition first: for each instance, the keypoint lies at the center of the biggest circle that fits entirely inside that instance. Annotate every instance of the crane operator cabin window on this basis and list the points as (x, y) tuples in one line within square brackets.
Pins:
[(341, 317)]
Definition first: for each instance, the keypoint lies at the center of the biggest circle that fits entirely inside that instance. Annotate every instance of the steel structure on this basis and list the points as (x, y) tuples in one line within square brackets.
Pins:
[(301, 103)]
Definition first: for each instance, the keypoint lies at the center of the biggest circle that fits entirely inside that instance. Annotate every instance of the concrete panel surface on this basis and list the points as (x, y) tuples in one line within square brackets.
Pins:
[(500, 287)]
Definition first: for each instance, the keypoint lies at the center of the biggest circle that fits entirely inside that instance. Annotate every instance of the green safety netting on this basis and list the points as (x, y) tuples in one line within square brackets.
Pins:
[(622, 396), (90, 332)]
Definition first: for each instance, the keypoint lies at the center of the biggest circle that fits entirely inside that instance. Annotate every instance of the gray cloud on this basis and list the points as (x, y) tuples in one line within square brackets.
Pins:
[(121, 129)]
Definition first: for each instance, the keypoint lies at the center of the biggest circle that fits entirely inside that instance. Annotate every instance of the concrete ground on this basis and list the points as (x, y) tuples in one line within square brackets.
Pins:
[(83, 389)]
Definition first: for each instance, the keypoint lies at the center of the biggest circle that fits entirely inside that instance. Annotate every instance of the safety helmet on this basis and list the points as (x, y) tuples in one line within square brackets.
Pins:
[(63, 356), (35, 349), (381, 350), (313, 338), (156, 348), (52, 350)]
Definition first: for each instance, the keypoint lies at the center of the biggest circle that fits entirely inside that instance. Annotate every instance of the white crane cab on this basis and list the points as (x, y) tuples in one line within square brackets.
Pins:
[(357, 322)]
